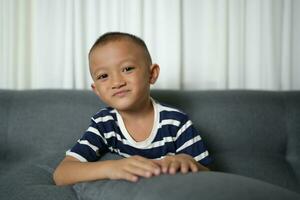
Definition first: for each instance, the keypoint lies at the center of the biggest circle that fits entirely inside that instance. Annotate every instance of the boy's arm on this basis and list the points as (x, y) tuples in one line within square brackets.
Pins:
[(71, 170)]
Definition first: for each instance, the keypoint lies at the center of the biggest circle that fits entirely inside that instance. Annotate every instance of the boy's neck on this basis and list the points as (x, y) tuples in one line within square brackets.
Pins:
[(139, 124)]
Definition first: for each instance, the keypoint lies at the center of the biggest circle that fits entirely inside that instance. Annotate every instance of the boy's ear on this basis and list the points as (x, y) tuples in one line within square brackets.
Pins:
[(154, 73), (94, 89)]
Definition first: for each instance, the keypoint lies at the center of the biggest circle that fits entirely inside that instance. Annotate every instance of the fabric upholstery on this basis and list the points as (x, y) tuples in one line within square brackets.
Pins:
[(203, 185)]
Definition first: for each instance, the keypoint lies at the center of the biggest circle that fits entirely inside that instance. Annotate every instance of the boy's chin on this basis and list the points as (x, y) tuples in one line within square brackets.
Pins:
[(124, 106), (128, 104)]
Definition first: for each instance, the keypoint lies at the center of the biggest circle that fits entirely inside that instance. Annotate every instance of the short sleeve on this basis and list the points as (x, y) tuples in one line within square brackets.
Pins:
[(189, 141), (91, 146)]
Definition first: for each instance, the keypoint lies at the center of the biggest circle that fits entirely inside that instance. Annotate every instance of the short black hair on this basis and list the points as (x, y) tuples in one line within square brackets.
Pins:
[(116, 36)]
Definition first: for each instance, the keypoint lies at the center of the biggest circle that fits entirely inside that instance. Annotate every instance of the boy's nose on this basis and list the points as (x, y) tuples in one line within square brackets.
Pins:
[(118, 82)]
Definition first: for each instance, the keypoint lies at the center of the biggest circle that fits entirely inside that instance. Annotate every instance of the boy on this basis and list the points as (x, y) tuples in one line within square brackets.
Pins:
[(152, 138)]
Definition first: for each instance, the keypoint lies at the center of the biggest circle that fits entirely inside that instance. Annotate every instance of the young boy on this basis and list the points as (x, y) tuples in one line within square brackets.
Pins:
[(152, 138)]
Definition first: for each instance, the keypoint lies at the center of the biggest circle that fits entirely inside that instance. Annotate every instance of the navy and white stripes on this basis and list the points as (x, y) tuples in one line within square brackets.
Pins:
[(172, 133)]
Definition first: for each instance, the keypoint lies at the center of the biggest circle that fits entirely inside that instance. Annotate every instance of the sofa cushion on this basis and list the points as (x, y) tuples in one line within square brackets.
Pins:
[(192, 186)]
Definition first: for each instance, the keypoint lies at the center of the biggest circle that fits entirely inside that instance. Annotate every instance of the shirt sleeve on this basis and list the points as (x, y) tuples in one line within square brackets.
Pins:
[(91, 146), (189, 141)]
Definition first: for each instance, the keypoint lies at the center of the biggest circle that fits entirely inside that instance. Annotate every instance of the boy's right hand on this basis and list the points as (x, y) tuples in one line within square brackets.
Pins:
[(132, 168)]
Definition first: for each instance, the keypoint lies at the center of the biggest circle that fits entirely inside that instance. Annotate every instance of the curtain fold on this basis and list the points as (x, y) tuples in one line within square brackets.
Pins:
[(206, 44)]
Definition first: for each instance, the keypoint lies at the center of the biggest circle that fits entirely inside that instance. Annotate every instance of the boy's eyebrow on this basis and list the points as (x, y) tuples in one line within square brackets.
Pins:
[(96, 72)]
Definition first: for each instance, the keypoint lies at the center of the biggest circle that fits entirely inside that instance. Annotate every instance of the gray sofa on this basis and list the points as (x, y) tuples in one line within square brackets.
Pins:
[(253, 137)]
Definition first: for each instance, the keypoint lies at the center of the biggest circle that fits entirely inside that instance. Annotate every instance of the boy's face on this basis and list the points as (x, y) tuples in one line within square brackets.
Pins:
[(121, 75)]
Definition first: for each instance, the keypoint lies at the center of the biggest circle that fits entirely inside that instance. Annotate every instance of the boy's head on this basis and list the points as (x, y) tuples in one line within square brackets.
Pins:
[(122, 70), (117, 36)]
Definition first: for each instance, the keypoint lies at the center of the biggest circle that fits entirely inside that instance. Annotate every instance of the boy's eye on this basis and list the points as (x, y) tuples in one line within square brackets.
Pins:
[(127, 69), (102, 76)]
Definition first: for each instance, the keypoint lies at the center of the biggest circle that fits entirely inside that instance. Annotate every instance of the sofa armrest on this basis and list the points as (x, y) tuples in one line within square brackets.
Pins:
[(33, 180)]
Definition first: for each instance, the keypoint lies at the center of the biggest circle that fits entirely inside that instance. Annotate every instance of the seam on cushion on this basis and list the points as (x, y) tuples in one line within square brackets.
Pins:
[(283, 100), (10, 99), (286, 155)]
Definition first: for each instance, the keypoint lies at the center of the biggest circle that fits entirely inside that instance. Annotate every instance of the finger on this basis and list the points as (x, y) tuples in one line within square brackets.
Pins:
[(153, 163), (123, 174), (184, 167), (158, 167), (164, 165), (130, 177), (147, 165), (193, 167), (173, 167), (153, 167), (135, 169)]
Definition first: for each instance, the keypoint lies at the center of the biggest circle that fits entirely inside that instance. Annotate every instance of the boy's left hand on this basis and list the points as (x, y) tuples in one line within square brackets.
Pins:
[(181, 162)]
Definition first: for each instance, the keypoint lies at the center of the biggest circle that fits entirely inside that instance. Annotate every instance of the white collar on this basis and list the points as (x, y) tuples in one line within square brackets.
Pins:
[(146, 142)]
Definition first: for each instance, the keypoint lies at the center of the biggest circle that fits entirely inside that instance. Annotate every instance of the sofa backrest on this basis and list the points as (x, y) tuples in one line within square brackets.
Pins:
[(38, 122), (252, 133)]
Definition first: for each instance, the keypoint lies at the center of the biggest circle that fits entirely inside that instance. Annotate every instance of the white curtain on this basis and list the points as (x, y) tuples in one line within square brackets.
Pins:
[(199, 44)]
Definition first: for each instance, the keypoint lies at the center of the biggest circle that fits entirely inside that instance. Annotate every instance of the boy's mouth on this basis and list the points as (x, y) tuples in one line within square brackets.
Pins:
[(121, 93)]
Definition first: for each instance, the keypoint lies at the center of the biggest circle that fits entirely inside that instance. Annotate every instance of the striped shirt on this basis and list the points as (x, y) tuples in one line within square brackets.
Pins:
[(172, 133)]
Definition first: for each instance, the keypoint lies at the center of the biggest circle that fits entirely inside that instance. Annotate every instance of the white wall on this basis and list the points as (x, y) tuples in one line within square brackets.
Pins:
[(296, 44), (199, 44)]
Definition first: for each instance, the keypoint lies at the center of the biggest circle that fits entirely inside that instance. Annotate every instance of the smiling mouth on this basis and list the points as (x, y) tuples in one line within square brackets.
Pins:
[(121, 93)]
